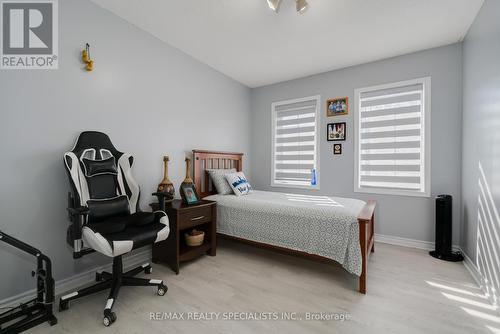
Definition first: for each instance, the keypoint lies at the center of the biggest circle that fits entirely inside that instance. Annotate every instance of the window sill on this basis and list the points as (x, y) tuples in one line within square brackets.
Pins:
[(393, 192), (296, 186)]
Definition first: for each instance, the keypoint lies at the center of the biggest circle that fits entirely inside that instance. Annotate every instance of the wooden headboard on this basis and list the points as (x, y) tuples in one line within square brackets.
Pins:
[(203, 160)]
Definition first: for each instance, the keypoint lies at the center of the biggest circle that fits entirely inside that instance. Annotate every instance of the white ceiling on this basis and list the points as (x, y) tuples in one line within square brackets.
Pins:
[(251, 44)]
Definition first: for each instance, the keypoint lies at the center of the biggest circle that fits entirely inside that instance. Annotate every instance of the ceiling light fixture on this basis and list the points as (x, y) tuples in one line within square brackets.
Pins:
[(302, 6), (274, 5)]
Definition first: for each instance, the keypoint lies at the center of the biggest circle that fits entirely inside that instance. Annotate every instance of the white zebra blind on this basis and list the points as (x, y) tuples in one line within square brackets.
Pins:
[(295, 142), (393, 126)]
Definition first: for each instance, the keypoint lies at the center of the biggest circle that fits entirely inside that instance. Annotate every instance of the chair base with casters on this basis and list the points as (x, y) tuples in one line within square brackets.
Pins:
[(105, 217), (114, 282)]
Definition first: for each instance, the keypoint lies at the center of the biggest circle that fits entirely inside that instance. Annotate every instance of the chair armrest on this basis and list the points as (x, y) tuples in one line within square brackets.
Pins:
[(78, 217), (161, 199), (79, 211)]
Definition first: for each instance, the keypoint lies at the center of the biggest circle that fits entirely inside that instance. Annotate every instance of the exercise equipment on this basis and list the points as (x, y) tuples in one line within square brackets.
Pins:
[(39, 309)]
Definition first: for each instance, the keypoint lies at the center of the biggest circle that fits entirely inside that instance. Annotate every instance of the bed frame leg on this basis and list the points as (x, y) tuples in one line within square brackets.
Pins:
[(366, 221), (362, 283), (372, 229), (363, 244)]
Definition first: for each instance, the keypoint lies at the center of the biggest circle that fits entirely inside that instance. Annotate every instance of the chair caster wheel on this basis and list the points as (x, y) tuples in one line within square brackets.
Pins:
[(109, 319), (162, 290), (148, 270), (63, 305)]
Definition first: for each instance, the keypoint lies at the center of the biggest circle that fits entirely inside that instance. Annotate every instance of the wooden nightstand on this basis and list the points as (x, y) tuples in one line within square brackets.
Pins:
[(173, 250)]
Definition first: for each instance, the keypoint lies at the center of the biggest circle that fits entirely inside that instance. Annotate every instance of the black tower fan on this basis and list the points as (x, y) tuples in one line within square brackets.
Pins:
[(443, 230)]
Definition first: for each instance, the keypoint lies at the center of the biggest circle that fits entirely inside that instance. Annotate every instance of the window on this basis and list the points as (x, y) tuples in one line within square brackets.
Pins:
[(393, 138), (295, 143)]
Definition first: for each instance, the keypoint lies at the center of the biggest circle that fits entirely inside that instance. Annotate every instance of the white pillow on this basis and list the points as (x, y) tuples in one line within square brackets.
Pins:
[(239, 183), (219, 180)]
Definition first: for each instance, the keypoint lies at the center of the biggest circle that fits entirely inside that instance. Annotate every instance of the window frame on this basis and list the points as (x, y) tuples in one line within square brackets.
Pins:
[(317, 98), (426, 142)]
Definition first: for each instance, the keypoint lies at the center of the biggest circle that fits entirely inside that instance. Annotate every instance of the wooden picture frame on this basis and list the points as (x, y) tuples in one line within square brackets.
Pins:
[(337, 107), (336, 131), (189, 194)]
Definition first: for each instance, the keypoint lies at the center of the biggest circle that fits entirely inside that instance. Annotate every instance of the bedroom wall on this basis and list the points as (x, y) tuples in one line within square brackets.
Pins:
[(398, 216), (481, 144), (150, 98)]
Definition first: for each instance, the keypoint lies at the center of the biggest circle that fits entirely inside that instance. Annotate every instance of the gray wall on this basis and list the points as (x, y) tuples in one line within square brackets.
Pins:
[(408, 217), (481, 142), (149, 97)]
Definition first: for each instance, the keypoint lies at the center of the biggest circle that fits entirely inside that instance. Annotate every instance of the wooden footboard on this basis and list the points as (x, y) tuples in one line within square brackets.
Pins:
[(366, 220)]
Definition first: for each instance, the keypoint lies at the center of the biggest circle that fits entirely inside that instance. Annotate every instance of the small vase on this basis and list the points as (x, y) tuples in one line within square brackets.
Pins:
[(166, 186), (188, 179), (187, 183)]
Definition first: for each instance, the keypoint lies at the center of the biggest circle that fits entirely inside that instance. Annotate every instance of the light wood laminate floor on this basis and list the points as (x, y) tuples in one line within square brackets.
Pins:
[(408, 292)]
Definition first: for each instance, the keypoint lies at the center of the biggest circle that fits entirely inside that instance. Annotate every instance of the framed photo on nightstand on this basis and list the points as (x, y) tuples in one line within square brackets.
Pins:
[(189, 194)]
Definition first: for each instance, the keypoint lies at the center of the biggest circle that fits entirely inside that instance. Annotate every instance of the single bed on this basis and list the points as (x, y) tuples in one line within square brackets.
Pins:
[(329, 229)]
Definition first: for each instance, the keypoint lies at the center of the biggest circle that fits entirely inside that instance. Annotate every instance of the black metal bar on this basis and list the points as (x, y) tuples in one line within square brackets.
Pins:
[(136, 281), (101, 286), (19, 244), (15, 312), (31, 320), (135, 271), (40, 309)]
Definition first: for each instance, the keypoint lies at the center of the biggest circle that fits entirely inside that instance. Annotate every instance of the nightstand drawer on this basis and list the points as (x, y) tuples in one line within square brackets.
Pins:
[(195, 217)]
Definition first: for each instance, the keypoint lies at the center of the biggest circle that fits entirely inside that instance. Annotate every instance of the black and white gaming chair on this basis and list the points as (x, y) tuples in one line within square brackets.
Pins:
[(105, 216)]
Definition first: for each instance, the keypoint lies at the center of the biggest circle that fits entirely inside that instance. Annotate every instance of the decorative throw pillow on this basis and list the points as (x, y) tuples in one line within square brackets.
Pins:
[(239, 183), (219, 180)]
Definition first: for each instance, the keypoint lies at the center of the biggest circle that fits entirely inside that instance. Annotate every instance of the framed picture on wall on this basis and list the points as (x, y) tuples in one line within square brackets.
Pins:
[(337, 149), (336, 131), (337, 107)]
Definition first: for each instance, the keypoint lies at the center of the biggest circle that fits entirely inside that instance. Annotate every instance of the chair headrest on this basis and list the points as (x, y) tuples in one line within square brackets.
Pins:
[(98, 142)]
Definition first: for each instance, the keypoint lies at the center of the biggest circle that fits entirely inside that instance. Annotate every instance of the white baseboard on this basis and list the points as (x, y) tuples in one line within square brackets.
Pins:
[(485, 288), (468, 263), (474, 271), (405, 242), (77, 281)]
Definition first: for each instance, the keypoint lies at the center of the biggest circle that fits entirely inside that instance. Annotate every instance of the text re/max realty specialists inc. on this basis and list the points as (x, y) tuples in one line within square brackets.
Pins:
[(248, 316)]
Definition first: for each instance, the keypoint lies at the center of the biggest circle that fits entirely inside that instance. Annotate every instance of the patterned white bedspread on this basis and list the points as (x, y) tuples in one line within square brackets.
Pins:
[(321, 225)]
